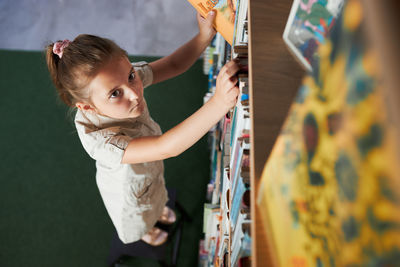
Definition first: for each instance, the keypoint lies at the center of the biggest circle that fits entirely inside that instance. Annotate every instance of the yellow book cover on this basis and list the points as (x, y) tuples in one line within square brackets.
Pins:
[(329, 193), (225, 18)]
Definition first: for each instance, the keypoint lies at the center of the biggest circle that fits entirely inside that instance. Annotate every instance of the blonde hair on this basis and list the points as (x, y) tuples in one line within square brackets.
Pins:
[(80, 62)]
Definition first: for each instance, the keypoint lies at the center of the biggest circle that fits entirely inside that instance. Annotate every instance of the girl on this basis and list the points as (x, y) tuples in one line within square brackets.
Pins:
[(115, 128)]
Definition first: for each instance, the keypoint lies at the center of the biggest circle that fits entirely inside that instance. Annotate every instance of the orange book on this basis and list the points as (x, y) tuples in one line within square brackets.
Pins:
[(225, 18)]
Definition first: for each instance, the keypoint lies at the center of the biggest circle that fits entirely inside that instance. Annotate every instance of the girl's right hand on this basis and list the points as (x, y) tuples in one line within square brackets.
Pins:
[(227, 91)]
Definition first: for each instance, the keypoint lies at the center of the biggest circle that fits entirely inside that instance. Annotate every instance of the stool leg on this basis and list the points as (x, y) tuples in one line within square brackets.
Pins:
[(175, 248)]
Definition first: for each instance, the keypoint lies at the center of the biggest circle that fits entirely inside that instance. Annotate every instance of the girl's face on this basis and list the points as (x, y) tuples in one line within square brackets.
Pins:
[(117, 91)]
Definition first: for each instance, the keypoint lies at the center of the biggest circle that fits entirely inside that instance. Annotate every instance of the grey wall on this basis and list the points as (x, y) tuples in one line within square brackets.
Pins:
[(142, 27)]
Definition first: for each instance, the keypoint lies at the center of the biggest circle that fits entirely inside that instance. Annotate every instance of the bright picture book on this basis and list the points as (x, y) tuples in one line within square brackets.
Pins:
[(329, 193), (225, 18), (308, 26)]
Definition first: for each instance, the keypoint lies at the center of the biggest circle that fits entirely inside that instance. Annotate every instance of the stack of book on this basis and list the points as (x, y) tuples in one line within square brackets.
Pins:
[(227, 237)]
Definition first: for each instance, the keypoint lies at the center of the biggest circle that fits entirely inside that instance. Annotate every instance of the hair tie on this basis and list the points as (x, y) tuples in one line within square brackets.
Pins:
[(58, 47)]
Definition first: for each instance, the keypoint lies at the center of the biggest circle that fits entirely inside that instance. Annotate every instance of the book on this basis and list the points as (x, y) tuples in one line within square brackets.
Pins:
[(240, 127), (241, 33), (210, 221), (240, 50), (223, 249), (241, 240), (308, 26), (225, 15), (225, 203), (216, 191), (238, 202), (203, 255), (242, 152)]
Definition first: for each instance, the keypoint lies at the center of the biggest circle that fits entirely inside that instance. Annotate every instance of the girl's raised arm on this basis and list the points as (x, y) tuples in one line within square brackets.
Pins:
[(185, 56), (187, 133)]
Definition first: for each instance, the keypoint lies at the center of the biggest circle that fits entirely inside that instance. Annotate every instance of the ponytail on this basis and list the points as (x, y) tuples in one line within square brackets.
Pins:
[(52, 61)]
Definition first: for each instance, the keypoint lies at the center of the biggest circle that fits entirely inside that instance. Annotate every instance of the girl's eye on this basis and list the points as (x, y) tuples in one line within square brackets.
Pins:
[(131, 76), (115, 94)]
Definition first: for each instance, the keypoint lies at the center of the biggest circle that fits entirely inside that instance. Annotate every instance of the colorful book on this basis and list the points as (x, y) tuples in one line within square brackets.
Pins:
[(223, 249), (322, 196), (225, 18), (211, 220), (241, 33), (225, 204), (308, 26), (241, 240)]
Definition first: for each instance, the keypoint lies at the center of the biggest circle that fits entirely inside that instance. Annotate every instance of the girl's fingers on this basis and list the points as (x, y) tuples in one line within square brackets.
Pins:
[(229, 83), (228, 79), (233, 93), (235, 90), (210, 17), (229, 68), (232, 68), (234, 79)]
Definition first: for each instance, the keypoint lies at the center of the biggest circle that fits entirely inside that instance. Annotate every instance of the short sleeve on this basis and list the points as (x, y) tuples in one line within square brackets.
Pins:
[(145, 72), (105, 145)]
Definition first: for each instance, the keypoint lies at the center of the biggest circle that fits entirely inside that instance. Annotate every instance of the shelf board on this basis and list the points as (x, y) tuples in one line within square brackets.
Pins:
[(274, 77)]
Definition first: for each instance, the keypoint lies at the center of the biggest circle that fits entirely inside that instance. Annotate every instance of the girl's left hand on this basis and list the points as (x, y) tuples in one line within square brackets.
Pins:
[(206, 28)]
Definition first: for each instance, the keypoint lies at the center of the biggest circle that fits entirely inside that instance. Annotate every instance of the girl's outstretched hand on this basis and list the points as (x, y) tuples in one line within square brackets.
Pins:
[(206, 28), (227, 91)]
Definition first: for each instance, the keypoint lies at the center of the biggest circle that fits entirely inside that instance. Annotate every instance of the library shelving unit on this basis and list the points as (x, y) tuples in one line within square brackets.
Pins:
[(271, 83), (274, 77)]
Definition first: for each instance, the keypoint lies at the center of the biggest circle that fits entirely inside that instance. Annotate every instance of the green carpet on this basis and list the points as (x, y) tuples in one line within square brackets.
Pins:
[(51, 213)]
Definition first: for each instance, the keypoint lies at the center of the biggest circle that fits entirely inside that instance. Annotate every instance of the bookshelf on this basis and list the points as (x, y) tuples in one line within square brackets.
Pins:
[(271, 82), (274, 78)]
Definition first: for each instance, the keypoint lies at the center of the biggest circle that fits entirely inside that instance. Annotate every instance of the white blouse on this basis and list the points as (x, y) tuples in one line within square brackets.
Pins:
[(133, 194)]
